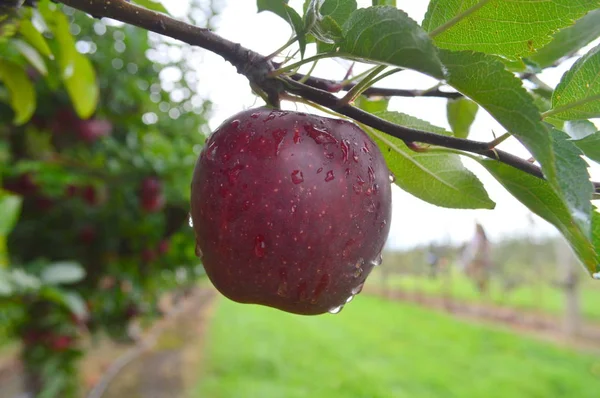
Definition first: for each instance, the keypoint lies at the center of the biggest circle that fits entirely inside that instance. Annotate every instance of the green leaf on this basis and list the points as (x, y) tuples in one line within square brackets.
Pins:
[(34, 37), (10, 208), (77, 71), (75, 303), (511, 29), (577, 96), (435, 177), (384, 3), (387, 35), (371, 105), (590, 146), (541, 199), (483, 78), (22, 92), (578, 129), (152, 5), (288, 14), (62, 273), (568, 40), (323, 19), (461, 114), (31, 54)]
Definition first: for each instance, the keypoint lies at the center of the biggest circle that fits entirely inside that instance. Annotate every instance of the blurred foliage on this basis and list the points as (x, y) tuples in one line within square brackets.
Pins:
[(100, 127)]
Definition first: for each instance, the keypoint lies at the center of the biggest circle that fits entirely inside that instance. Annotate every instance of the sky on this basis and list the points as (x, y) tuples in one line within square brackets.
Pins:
[(414, 222)]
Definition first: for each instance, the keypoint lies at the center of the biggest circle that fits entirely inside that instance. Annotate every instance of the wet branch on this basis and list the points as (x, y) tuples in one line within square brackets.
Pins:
[(256, 68)]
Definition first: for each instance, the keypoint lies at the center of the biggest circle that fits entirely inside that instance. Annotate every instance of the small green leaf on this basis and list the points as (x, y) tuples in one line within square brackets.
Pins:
[(577, 96), (35, 38), (568, 40), (372, 105), (77, 71), (31, 54), (511, 29), (323, 19), (384, 3), (484, 79), (152, 5), (435, 177), (578, 129), (62, 273), (541, 199), (22, 92), (10, 208), (590, 146), (387, 35), (461, 114)]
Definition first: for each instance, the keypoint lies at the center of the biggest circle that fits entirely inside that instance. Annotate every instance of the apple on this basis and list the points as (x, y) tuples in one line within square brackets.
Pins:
[(92, 129), (152, 199), (290, 210)]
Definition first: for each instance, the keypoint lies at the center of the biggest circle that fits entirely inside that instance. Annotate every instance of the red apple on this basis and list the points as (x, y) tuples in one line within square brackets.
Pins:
[(290, 210), (92, 129), (152, 199)]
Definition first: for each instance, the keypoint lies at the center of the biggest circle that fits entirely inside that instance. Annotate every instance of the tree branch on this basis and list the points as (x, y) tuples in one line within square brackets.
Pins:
[(256, 68)]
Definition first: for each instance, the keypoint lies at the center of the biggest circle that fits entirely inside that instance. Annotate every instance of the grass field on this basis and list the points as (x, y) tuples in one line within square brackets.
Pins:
[(540, 297), (382, 349)]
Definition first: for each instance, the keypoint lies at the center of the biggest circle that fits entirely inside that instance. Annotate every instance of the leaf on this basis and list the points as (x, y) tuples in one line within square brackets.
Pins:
[(461, 114), (152, 5), (568, 40), (436, 177), (371, 105), (483, 78), (10, 208), (577, 96), (590, 146), (387, 35), (62, 273), (323, 19), (22, 93), (511, 29), (384, 3), (31, 54), (34, 37), (77, 71), (541, 199), (288, 14), (75, 304), (578, 129)]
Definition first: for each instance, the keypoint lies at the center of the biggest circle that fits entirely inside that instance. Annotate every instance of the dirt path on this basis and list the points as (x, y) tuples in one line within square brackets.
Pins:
[(538, 325)]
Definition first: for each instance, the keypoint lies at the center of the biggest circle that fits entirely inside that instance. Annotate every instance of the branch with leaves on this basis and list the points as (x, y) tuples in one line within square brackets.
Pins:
[(479, 64)]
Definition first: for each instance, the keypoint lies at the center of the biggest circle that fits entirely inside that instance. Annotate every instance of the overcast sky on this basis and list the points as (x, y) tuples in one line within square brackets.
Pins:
[(414, 221)]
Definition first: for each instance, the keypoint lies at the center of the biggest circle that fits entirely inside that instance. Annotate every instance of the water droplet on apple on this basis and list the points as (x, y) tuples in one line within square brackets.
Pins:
[(377, 260), (190, 221), (319, 135), (321, 286), (320, 169), (235, 124), (349, 299), (365, 147), (246, 205), (356, 290), (297, 137), (294, 208), (297, 177), (270, 117), (345, 145), (330, 176), (354, 156), (392, 178), (254, 115), (259, 246), (336, 310), (371, 174), (198, 251)]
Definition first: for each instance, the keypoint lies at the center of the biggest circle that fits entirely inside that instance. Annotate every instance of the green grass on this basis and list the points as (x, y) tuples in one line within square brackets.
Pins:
[(540, 297), (375, 349)]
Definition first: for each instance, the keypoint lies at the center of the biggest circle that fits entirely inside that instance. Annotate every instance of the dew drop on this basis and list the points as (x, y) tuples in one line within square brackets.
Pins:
[(356, 290), (254, 115), (235, 124), (392, 178), (319, 170), (357, 188), (336, 310), (371, 174), (270, 117), (297, 177), (347, 172), (377, 260), (246, 205), (349, 299), (259, 246), (294, 208), (320, 135), (360, 180), (190, 221), (297, 137), (345, 145), (354, 156), (330, 176), (365, 147), (198, 251), (382, 225)]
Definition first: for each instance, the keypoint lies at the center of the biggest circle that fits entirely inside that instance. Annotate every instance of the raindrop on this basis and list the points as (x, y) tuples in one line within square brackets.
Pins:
[(254, 115), (319, 170), (329, 176), (297, 138), (336, 310), (349, 299), (321, 136), (377, 260), (357, 289), (246, 205), (294, 208), (365, 148), (190, 221), (297, 177), (345, 145), (270, 117), (371, 174), (355, 156), (392, 178), (198, 251), (235, 124), (259, 246)]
